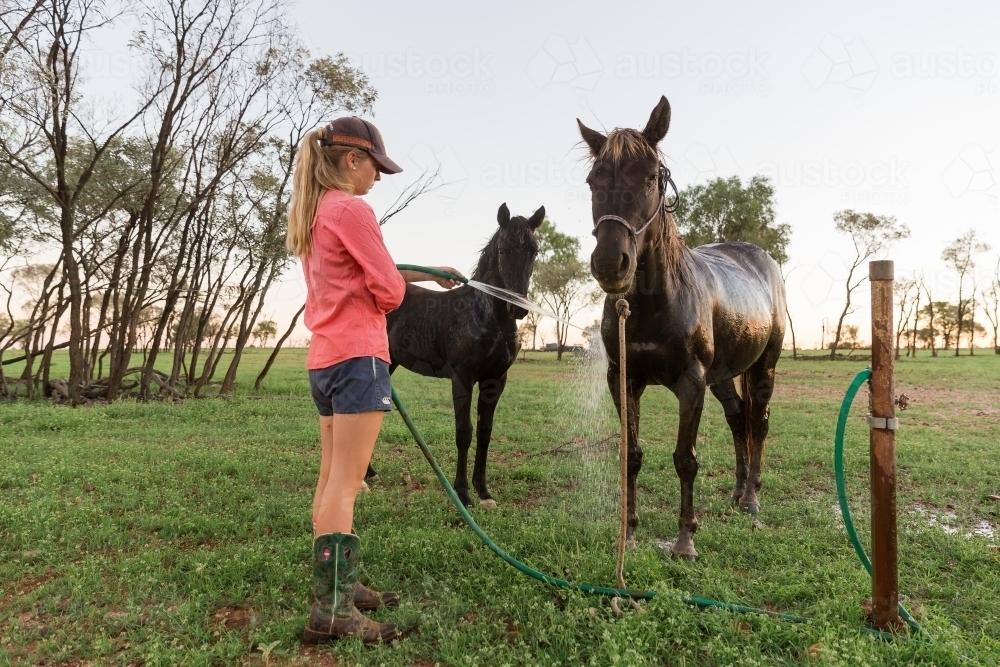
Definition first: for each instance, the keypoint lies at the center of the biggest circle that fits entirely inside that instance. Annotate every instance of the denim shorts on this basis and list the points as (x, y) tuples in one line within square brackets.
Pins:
[(352, 386)]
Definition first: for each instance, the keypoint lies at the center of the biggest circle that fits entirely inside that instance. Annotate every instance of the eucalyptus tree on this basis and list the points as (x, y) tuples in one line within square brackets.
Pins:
[(960, 256), (871, 235)]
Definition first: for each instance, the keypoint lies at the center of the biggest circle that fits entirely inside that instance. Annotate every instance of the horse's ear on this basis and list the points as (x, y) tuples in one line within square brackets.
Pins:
[(659, 123), (503, 215), (536, 220), (593, 138)]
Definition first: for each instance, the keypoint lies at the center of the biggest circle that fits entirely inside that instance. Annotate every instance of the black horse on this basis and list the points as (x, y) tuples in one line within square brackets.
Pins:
[(471, 338), (699, 317)]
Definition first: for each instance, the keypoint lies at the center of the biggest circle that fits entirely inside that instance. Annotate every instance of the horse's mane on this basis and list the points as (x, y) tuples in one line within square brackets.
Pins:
[(624, 142), (486, 265)]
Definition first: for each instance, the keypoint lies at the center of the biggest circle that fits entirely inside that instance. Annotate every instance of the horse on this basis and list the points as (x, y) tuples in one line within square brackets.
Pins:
[(700, 317), (470, 337)]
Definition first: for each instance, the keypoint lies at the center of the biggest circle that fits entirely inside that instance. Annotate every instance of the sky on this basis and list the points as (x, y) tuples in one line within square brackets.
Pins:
[(889, 108)]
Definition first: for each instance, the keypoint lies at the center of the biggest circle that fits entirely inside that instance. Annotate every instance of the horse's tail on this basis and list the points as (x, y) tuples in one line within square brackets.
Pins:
[(746, 394)]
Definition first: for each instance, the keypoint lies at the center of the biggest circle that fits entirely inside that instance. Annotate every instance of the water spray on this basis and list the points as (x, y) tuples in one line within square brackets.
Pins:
[(503, 294)]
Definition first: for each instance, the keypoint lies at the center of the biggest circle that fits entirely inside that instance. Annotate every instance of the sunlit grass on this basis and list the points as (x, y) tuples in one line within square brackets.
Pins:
[(179, 533)]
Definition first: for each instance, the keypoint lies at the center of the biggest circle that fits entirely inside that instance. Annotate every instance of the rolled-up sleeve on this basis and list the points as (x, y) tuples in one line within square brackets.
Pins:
[(359, 231)]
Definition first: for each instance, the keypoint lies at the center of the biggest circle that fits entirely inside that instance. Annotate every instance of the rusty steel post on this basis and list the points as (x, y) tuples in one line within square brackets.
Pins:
[(885, 575)]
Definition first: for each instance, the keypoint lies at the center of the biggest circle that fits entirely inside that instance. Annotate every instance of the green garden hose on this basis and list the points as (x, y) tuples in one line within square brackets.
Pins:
[(541, 576), (838, 456), (433, 272)]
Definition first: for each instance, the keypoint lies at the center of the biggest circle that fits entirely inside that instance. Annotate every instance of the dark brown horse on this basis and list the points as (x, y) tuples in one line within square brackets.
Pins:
[(470, 338), (699, 317)]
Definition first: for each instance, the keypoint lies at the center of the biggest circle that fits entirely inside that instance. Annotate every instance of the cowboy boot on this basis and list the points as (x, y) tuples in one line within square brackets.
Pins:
[(367, 600), (335, 575)]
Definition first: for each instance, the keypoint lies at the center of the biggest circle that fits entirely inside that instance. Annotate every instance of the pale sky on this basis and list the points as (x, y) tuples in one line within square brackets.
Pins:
[(891, 108)]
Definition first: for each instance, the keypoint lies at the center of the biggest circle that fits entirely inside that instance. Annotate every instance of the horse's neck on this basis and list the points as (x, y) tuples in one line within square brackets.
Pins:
[(664, 264)]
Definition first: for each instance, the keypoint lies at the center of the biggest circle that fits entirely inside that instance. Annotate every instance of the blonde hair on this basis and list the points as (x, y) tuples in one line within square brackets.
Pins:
[(317, 169)]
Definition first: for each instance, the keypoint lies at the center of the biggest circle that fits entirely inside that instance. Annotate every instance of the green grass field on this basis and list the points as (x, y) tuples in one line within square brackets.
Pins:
[(178, 534)]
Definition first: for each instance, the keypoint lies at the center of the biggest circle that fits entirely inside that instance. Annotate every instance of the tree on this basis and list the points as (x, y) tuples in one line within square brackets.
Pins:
[(871, 235), (170, 219), (946, 316), (788, 313), (959, 256), (851, 341), (263, 331), (991, 305), (561, 280), (907, 293), (531, 320), (724, 210)]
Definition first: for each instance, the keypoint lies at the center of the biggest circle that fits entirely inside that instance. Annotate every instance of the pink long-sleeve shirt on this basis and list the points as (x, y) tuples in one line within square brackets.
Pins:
[(352, 283)]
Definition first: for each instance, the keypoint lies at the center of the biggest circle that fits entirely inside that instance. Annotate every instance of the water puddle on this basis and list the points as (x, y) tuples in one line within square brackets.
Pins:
[(948, 522)]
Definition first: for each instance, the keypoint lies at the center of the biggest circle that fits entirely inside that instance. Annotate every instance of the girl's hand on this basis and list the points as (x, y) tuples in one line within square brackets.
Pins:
[(447, 283)]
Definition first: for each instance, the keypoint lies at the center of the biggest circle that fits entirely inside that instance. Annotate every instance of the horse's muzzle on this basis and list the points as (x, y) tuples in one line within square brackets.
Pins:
[(613, 271)]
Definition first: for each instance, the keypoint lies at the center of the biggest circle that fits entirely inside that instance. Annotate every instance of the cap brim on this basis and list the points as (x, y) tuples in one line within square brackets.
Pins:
[(385, 165)]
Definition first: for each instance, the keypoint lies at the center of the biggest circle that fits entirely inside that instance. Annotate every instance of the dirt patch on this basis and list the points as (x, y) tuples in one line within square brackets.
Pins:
[(304, 654), (236, 617), (23, 587)]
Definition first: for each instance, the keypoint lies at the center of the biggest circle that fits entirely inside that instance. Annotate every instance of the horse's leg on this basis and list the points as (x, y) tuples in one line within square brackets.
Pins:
[(690, 391), (489, 396), (634, 393), (461, 394), (370, 473), (732, 404), (760, 379)]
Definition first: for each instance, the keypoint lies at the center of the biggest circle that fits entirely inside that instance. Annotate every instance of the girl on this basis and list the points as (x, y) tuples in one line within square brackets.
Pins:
[(351, 283)]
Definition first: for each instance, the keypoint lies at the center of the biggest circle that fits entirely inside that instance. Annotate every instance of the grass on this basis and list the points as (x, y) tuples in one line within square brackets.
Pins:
[(163, 534)]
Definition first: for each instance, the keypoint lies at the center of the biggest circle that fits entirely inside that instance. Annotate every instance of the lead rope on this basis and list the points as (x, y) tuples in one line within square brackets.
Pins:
[(623, 312)]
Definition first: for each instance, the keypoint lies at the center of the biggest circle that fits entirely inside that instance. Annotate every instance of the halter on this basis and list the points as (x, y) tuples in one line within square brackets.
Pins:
[(664, 179)]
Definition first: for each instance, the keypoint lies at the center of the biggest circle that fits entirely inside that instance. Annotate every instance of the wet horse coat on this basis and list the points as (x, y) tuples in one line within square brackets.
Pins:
[(470, 337), (699, 317)]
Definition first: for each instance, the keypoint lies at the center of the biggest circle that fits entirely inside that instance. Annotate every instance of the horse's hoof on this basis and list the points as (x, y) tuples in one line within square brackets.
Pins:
[(488, 504), (683, 548), (752, 509), (689, 557)]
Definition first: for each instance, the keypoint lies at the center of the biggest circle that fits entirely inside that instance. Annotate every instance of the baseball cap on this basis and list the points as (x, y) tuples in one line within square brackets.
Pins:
[(357, 132)]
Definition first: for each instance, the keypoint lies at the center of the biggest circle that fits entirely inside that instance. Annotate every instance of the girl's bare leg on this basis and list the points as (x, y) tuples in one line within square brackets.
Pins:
[(347, 443)]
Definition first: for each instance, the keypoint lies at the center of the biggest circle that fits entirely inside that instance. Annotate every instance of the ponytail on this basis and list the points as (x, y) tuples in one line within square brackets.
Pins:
[(317, 169)]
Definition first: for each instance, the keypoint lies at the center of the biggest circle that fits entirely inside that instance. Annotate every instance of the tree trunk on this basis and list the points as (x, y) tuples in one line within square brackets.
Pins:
[(277, 348), (791, 327)]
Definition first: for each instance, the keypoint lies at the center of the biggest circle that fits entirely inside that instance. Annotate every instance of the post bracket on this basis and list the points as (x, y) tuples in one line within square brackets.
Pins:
[(885, 423)]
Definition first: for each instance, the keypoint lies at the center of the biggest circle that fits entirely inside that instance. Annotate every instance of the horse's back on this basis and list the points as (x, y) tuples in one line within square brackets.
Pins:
[(746, 278), (748, 305)]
